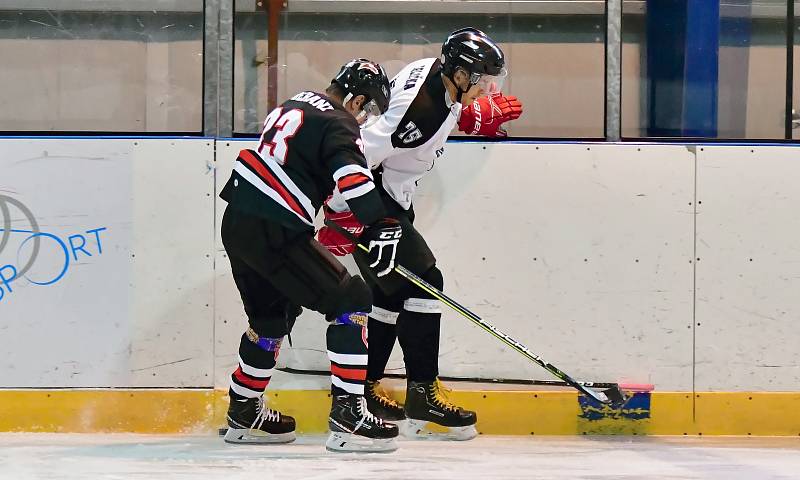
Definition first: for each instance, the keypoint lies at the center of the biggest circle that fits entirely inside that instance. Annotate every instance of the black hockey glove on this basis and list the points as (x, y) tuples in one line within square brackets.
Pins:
[(382, 238)]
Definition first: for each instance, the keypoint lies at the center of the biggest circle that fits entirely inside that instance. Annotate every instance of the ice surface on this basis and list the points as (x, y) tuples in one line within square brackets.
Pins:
[(74, 456)]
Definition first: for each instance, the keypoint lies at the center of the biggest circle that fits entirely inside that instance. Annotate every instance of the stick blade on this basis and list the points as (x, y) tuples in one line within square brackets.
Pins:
[(615, 397)]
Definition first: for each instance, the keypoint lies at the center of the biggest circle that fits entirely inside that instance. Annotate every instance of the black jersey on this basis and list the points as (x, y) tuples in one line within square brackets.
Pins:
[(310, 148)]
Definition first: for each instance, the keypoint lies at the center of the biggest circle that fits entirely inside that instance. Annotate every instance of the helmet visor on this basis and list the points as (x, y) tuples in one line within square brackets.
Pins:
[(489, 83), (370, 113)]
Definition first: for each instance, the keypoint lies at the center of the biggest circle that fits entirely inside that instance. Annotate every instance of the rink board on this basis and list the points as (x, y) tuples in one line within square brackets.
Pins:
[(587, 267), (135, 307), (663, 264), (499, 412), (748, 275)]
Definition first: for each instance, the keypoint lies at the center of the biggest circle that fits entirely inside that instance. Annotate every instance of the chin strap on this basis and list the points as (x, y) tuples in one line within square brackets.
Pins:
[(458, 89)]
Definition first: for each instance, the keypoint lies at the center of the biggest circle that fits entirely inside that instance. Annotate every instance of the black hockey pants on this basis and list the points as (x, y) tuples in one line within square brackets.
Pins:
[(276, 271)]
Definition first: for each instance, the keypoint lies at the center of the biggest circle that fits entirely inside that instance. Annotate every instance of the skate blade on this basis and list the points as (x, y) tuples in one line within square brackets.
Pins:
[(348, 442), (257, 437), (424, 430)]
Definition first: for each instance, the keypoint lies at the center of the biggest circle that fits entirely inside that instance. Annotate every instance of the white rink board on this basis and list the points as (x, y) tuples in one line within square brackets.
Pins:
[(606, 318), (542, 240), (137, 314), (174, 202), (748, 276)]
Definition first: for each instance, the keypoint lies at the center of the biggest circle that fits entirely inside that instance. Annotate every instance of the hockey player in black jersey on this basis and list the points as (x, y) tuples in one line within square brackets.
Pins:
[(429, 97), (310, 147)]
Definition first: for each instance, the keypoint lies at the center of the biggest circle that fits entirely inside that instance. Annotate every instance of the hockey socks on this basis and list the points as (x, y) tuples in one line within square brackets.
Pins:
[(256, 363), (382, 336), (418, 332), (347, 351)]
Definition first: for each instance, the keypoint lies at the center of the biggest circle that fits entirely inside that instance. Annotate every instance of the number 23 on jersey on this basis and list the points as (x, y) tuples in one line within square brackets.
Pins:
[(279, 127)]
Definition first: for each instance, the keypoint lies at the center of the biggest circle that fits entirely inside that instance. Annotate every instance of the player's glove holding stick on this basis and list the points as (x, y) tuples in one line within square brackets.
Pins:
[(335, 242), (382, 239), (485, 115)]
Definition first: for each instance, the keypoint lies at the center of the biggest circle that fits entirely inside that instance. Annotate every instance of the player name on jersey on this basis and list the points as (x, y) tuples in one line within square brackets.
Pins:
[(416, 74), (314, 100)]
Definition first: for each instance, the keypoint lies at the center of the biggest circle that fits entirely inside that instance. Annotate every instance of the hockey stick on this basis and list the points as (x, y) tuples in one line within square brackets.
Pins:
[(611, 396), (494, 381)]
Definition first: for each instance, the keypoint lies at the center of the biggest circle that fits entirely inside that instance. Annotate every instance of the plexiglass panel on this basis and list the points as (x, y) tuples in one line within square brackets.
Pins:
[(716, 71), (554, 50), (122, 67)]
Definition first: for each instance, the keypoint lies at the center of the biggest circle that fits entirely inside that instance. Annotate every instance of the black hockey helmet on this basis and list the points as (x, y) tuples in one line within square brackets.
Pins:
[(365, 77), (476, 53)]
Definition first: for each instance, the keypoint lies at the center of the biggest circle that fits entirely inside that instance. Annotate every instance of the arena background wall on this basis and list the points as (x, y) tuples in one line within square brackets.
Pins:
[(670, 265)]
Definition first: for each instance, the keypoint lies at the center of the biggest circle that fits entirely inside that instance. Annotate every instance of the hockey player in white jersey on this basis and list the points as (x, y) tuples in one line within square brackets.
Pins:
[(429, 98)]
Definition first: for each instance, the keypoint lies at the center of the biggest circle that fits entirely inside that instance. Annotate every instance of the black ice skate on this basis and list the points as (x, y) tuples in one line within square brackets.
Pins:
[(381, 405), (426, 403), (250, 421), (355, 429)]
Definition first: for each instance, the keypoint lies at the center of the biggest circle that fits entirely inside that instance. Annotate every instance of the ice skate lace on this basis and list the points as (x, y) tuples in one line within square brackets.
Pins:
[(366, 415), (383, 397), (440, 396), (265, 414)]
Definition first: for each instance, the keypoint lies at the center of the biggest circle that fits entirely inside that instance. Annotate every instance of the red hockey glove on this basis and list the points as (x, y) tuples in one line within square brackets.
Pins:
[(335, 242), (486, 114)]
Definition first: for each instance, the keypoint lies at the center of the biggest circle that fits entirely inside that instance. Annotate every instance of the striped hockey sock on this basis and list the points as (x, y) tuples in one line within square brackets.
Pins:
[(347, 351), (256, 364)]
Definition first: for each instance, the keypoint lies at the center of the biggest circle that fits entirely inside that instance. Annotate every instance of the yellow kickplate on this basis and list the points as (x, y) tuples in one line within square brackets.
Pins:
[(728, 413), (499, 412), (101, 410)]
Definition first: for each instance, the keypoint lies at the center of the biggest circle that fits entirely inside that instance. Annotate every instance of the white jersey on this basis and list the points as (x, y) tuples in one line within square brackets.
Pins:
[(410, 136)]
